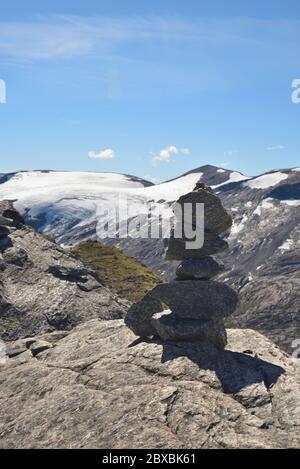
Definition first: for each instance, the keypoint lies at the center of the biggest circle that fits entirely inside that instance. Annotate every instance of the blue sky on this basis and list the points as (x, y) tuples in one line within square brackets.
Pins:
[(152, 88)]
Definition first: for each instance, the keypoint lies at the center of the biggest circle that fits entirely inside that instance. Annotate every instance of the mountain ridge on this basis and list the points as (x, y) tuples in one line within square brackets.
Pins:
[(264, 240)]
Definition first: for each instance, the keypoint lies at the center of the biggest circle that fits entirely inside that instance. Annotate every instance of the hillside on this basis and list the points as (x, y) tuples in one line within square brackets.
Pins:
[(129, 278), (264, 254), (43, 288)]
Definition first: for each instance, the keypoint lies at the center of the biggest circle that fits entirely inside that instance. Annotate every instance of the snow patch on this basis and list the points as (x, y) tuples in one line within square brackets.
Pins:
[(78, 198), (234, 177), (257, 211), (291, 203), (287, 245), (265, 181), (237, 228), (267, 203)]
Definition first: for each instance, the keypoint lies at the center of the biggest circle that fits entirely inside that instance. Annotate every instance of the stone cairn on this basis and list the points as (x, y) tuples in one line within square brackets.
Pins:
[(193, 306)]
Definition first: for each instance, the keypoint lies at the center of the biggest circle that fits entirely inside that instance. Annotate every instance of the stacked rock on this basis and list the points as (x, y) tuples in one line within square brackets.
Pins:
[(193, 306), (10, 219)]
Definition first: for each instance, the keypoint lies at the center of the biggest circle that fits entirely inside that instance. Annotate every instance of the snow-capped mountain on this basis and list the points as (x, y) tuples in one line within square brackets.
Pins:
[(67, 203), (264, 255)]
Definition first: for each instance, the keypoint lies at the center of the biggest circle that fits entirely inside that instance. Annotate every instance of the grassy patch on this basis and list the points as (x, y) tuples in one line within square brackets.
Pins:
[(128, 277), (9, 325)]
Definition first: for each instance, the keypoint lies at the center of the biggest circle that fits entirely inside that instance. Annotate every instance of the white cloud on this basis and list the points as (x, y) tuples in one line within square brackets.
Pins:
[(120, 62), (276, 147), (69, 35), (44, 40), (107, 154), (165, 155)]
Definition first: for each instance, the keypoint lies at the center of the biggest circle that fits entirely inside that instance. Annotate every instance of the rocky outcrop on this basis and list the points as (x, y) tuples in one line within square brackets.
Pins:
[(42, 288), (200, 269), (99, 387)]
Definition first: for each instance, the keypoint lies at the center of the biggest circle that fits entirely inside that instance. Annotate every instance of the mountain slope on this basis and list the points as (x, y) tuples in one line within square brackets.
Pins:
[(42, 288), (120, 273), (263, 261), (264, 253), (67, 204)]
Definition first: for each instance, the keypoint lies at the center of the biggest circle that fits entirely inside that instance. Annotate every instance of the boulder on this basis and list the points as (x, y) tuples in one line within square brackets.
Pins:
[(188, 299), (170, 328), (16, 256), (197, 300), (139, 315), (176, 250), (216, 218), (9, 215), (39, 346), (199, 269)]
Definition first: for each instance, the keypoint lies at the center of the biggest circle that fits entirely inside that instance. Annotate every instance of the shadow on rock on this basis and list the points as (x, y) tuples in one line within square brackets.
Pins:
[(234, 370)]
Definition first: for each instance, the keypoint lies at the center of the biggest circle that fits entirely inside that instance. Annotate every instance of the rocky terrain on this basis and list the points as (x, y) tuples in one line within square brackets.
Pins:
[(73, 379), (42, 288), (262, 263), (98, 387)]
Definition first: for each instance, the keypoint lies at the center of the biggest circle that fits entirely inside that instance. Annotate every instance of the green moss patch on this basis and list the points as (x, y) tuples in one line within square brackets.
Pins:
[(128, 277)]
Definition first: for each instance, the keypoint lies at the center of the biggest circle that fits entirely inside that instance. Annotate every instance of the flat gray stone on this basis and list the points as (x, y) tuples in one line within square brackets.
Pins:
[(40, 346), (216, 218), (189, 299), (171, 328), (197, 300), (199, 269), (139, 315), (177, 250)]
